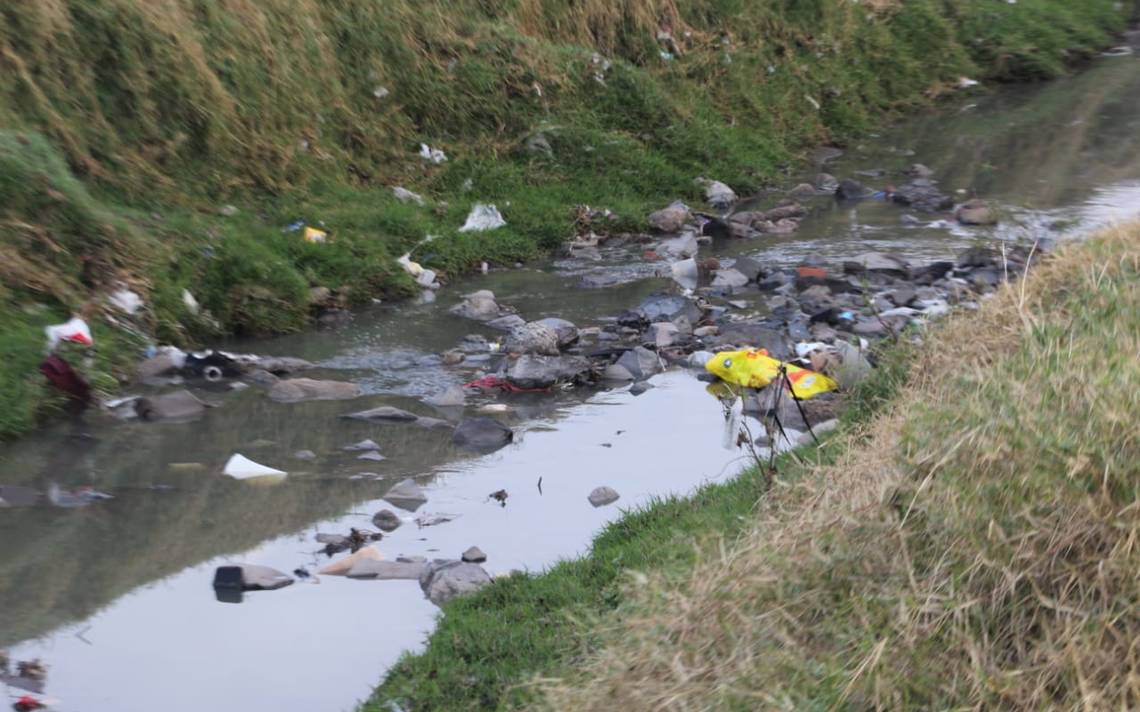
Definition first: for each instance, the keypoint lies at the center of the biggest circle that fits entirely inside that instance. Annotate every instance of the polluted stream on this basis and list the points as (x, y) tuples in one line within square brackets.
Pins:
[(116, 597)]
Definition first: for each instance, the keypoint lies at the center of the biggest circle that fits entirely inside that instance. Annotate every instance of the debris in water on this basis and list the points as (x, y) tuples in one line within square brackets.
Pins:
[(499, 496), (241, 467), (79, 497), (343, 566), (431, 520)]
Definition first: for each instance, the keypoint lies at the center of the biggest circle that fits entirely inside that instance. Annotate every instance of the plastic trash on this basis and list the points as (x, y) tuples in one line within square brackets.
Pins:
[(66, 380), (413, 268), (190, 302), (294, 226), (406, 196), (434, 155), (483, 217), (733, 423), (75, 330), (241, 467), (126, 301), (312, 234), (754, 368), (807, 348)]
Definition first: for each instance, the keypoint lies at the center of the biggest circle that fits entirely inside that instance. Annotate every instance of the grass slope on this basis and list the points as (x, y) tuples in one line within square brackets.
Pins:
[(126, 126), (982, 555), (974, 549)]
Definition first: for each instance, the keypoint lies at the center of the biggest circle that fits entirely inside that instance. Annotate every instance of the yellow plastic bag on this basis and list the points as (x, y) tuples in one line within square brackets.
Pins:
[(754, 368), (314, 235)]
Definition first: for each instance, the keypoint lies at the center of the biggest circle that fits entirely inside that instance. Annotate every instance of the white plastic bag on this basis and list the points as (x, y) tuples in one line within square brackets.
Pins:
[(483, 217), (75, 330), (434, 155)]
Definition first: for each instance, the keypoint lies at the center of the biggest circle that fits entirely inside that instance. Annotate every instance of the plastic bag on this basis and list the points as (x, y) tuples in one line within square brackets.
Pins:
[(75, 330), (483, 217)]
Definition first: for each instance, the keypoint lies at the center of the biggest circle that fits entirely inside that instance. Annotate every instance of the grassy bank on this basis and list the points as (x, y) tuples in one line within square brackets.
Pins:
[(126, 128), (976, 556)]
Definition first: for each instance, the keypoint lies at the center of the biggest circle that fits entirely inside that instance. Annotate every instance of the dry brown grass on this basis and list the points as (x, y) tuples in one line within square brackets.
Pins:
[(977, 547)]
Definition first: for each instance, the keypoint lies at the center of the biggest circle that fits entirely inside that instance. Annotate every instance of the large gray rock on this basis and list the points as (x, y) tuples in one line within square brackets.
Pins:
[(363, 446), (507, 323), (678, 248), (482, 434), (614, 372), (567, 332), (532, 372), (878, 262), (164, 364), (976, 212), (755, 336), (453, 397), (601, 496), (179, 405), (387, 570), (406, 495), (444, 580), (670, 219), (717, 194), (668, 307), (296, 390), (533, 338), (729, 279), (921, 194), (640, 362), (480, 306), (381, 414)]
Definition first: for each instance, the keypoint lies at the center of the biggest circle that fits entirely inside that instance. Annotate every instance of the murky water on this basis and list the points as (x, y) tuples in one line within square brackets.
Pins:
[(116, 597)]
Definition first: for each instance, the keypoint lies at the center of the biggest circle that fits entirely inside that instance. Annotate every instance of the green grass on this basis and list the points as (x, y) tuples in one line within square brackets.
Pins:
[(488, 646), (147, 119), (975, 550)]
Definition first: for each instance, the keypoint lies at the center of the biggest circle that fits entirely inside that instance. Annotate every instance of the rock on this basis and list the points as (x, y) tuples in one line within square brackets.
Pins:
[(755, 336), (262, 578), (532, 338), (919, 171), (536, 372), (383, 413), (851, 190), (922, 195), (678, 248), (903, 296), (166, 363), (480, 306), (307, 455), (444, 580), (261, 377), (228, 211), (432, 423), (803, 190), (869, 327), (568, 334), (282, 365), (601, 496), (453, 397), (640, 362), (296, 390), (387, 570), (640, 387), (406, 495), (362, 446), (666, 307), (976, 212), (825, 183), (336, 541), (748, 267), (341, 567), (853, 366), (539, 144), (453, 357), (179, 405), (729, 279), (670, 219), (507, 323), (877, 262), (717, 194), (482, 434), (371, 457), (703, 331), (685, 273), (976, 257), (662, 334), (474, 555), (406, 196), (617, 373), (321, 297), (386, 520)]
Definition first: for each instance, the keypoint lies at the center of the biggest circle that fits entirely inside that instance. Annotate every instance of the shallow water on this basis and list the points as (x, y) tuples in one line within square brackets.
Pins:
[(116, 597)]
